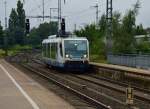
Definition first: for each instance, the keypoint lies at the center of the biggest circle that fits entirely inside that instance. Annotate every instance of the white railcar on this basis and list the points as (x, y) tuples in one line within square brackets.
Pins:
[(71, 52)]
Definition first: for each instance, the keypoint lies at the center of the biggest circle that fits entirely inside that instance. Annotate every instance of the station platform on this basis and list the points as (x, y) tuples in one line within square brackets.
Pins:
[(19, 91), (137, 71)]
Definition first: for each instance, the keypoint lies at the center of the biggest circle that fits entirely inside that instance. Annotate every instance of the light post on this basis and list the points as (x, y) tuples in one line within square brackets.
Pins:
[(5, 35)]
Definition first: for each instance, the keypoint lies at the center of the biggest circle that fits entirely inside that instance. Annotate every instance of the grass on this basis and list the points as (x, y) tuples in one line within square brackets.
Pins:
[(2, 53), (14, 50), (97, 58), (17, 48)]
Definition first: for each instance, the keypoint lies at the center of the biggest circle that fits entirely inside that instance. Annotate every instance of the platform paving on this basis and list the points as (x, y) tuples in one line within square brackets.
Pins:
[(19, 91)]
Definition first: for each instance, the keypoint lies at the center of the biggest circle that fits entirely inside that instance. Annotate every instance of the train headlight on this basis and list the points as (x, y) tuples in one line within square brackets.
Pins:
[(67, 56), (85, 56)]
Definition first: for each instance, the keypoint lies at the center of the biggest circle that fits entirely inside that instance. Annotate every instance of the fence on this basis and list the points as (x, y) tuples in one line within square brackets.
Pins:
[(131, 60)]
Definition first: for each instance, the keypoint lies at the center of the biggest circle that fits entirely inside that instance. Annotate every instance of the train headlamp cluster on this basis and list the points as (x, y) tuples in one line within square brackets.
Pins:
[(67, 56), (85, 56), (70, 56)]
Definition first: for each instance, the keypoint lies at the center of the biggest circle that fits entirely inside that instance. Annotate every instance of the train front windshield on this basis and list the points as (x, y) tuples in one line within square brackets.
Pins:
[(76, 48)]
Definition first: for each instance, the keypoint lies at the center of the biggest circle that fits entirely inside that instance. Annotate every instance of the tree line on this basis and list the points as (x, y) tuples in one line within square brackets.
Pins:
[(124, 32), (16, 31)]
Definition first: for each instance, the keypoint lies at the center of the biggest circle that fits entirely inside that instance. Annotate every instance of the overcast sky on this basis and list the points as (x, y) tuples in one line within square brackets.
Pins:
[(79, 12)]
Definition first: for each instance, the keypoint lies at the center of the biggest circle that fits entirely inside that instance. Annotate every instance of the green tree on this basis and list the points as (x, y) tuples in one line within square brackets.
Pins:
[(20, 15), (117, 35), (13, 20), (102, 24), (144, 47), (12, 27), (1, 35), (140, 30), (17, 25), (124, 40), (1, 30), (96, 38), (42, 32), (20, 36)]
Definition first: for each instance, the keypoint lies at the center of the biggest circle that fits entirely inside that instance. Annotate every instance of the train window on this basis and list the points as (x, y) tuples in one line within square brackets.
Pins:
[(53, 50), (44, 47), (43, 50), (76, 48), (48, 50), (61, 51)]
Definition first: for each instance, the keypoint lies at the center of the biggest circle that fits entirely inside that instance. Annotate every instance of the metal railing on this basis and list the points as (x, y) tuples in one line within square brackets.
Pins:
[(131, 60)]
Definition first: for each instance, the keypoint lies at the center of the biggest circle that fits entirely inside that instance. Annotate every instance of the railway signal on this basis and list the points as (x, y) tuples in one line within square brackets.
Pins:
[(63, 28), (27, 26)]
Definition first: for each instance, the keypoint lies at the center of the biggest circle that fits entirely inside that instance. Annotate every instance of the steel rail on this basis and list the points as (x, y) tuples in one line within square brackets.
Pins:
[(121, 83), (87, 98), (115, 89)]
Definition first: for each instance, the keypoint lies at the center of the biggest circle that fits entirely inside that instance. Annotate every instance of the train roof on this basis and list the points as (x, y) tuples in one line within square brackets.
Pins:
[(54, 38)]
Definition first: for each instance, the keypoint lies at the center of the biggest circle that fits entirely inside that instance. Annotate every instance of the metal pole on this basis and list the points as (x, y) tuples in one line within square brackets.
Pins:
[(75, 27), (109, 26), (5, 37), (60, 11), (43, 9), (5, 15), (59, 15), (50, 14), (96, 14)]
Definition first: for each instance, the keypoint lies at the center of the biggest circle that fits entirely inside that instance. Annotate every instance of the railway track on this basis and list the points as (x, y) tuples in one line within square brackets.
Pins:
[(85, 85), (139, 95), (71, 86), (120, 88), (123, 84), (111, 91)]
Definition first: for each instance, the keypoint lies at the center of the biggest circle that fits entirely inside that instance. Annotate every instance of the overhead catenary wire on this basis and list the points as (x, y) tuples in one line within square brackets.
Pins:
[(84, 12), (39, 6), (35, 8)]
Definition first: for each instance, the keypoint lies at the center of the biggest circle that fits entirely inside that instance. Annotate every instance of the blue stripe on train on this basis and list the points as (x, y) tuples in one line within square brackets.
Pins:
[(70, 65), (53, 63)]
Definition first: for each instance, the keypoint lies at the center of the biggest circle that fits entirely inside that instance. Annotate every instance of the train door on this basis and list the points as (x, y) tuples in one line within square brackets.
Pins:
[(61, 50)]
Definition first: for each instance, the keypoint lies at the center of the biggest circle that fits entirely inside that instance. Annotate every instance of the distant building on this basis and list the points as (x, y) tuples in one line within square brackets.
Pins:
[(142, 37), (148, 30), (138, 38)]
